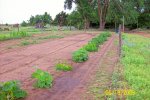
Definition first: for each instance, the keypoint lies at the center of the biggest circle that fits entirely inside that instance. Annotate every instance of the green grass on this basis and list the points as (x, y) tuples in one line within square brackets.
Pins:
[(136, 62), (14, 35), (63, 66), (11, 91), (43, 79)]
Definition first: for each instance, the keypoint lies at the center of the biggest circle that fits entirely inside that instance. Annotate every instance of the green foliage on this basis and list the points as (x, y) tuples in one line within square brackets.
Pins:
[(100, 39), (45, 18), (80, 55), (24, 24), (73, 20), (91, 47), (24, 43), (63, 66), (13, 35), (61, 19), (43, 79), (11, 91), (136, 64)]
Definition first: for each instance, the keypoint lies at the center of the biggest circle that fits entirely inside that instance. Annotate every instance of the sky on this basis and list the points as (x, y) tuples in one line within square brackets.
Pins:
[(15, 11)]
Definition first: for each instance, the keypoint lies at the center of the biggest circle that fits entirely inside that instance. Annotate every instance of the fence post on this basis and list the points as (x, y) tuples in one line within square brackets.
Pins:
[(120, 40)]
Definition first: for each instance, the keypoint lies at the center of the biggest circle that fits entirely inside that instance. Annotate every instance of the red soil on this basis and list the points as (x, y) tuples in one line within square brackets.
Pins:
[(18, 65)]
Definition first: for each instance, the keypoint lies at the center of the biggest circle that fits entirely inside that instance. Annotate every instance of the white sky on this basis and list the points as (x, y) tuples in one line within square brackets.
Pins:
[(15, 11)]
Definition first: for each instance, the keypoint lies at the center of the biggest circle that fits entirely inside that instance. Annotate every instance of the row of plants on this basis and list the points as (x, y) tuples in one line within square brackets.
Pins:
[(14, 35), (136, 65), (81, 55), (11, 90)]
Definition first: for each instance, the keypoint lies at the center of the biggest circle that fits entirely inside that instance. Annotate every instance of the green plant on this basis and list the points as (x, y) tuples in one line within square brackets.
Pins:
[(63, 66), (100, 39), (14, 35), (44, 79), (91, 47), (136, 65), (80, 55), (11, 91), (23, 43)]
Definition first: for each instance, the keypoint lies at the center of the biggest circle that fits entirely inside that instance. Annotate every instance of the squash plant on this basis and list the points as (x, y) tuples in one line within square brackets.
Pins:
[(11, 91), (63, 66), (43, 79), (80, 55)]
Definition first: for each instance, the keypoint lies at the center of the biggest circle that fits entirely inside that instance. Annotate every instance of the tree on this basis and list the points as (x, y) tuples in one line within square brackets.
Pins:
[(85, 8), (102, 12), (75, 19), (45, 19), (24, 24), (60, 19)]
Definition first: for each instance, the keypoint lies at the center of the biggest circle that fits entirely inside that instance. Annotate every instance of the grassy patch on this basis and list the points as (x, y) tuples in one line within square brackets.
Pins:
[(13, 35), (11, 91), (136, 62), (43, 79)]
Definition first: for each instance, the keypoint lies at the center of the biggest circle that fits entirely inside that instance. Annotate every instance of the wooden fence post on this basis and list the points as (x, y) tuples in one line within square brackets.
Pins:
[(120, 40)]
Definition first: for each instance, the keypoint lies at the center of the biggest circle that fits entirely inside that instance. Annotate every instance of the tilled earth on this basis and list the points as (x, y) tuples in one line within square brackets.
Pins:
[(19, 65)]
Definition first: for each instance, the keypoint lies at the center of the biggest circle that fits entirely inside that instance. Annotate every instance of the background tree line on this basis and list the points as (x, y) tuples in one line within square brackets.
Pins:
[(99, 14)]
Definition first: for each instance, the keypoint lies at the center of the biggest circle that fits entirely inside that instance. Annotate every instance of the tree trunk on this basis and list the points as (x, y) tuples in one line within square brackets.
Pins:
[(86, 24), (102, 11)]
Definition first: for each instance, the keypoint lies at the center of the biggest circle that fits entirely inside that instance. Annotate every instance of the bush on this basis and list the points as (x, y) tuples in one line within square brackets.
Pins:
[(91, 47), (100, 39), (80, 56), (63, 66), (44, 79), (11, 91)]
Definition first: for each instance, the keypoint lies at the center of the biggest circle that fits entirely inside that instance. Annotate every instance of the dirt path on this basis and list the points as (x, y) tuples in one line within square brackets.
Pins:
[(71, 85)]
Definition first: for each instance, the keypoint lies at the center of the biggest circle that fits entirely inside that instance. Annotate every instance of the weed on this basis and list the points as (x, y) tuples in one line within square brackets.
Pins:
[(137, 65), (63, 66), (11, 91), (80, 56), (25, 43), (44, 79)]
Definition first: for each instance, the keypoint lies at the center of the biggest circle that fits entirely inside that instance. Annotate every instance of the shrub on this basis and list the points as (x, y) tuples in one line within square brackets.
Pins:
[(100, 39), (91, 47), (44, 79), (63, 66), (11, 91), (80, 56)]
